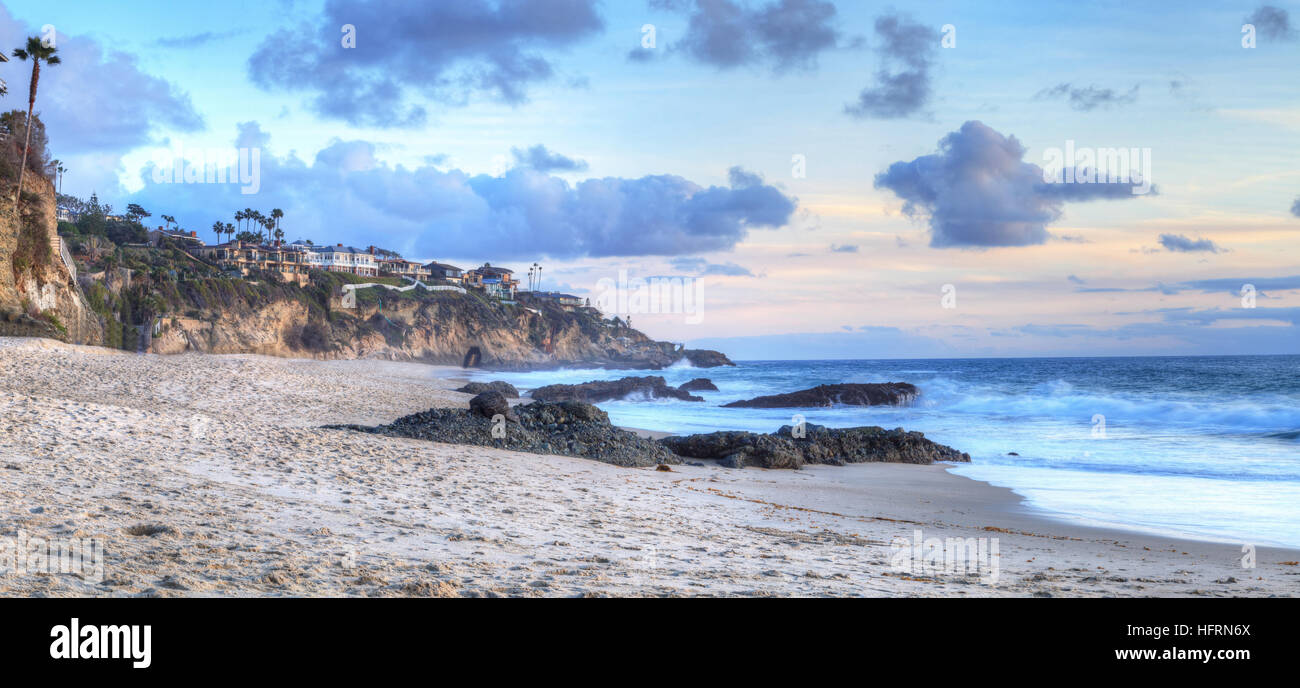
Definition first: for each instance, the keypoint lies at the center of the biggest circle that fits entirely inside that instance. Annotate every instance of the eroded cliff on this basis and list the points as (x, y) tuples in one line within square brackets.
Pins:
[(39, 295)]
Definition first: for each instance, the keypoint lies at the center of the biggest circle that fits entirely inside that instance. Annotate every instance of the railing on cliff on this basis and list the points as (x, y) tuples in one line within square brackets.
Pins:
[(67, 257), (350, 296)]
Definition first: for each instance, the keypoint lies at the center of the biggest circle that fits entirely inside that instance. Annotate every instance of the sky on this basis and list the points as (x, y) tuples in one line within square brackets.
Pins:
[(841, 179)]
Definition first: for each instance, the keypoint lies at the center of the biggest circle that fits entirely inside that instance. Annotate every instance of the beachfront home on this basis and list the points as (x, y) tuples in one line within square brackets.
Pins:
[(477, 277), (187, 240), (340, 258), (397, 267), (443, 271), (496, 282), (243, 258), (566, 301)]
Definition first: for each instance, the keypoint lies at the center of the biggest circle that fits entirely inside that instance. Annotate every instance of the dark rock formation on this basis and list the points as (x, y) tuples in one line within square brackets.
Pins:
[(491, 404), (819, 445), (706, 358), (651, 387), (504, 388), (566, 428), (472, 358), (699, 384), (873, 394)]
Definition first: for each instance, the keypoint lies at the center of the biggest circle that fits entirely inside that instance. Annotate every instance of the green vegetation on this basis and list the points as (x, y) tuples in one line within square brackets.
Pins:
[(32, 253)]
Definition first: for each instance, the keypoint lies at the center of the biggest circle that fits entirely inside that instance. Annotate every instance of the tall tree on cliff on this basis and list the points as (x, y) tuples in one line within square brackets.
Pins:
[(276, 214), (36, 51)]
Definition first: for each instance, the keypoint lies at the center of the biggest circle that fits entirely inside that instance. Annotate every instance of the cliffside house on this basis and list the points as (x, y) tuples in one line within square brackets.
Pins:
[(443, 271), (241, 258), (397, 267), (187, 240), (340, 258), (568, 302), (497, 282)]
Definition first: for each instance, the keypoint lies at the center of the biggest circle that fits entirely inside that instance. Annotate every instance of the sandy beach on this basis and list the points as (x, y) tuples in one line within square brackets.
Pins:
[(210, 476)]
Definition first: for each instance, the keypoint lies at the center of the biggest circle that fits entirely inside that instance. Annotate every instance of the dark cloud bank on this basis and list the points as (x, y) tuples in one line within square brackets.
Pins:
[(902, 85), (440, 51), (785, 34)]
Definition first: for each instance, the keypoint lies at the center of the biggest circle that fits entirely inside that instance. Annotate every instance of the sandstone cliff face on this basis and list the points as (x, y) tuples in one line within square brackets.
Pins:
[(439, 329), (40, 287)]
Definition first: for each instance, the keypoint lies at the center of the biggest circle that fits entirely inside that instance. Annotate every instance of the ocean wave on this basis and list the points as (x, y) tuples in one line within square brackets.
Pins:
[(1061, 399)]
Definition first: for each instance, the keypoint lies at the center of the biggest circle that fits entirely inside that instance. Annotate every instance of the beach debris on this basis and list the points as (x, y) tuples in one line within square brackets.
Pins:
[(151, 530)]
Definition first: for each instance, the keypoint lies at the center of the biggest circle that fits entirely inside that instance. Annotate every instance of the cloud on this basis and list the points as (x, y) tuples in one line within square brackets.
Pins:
[(442, 52), (347, 194), (703, 267), (785, 34), (903, 81), (97, 101), (1214, 315), (543, 160), (639, 54), (847, 248), (1075, 279), (1295, 207), (97, 105), (1181, 244), (1090, 97), (195, 40), (978, 191), (1272, 22), (1233, 285)]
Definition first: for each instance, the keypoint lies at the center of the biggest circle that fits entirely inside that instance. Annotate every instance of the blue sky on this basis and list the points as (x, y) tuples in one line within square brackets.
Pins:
[(748, 85)]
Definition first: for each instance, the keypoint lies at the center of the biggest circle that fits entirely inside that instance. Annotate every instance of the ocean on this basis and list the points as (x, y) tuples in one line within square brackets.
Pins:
[(1203, 447)]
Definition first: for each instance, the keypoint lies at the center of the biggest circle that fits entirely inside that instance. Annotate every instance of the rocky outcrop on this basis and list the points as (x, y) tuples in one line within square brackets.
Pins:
[(38, 294), (699, 384), (872, 394), (567, 428), (818, 445), (492, 404), (596, 391), (706, 358), (505, 388)]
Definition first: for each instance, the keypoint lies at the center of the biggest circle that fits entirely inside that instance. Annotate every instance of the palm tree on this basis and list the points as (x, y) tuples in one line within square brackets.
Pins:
[(230, 231), (276, 214), (35, 51), (59, 169), (218, 228), (169, 221), (239, 217)]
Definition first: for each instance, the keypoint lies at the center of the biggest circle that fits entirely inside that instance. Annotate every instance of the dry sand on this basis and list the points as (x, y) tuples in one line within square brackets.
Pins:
[(209, 475)]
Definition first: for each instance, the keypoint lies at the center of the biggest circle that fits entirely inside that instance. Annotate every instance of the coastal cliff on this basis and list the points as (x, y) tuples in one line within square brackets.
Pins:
[(86, 288), (39, 295), (430, 327)]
